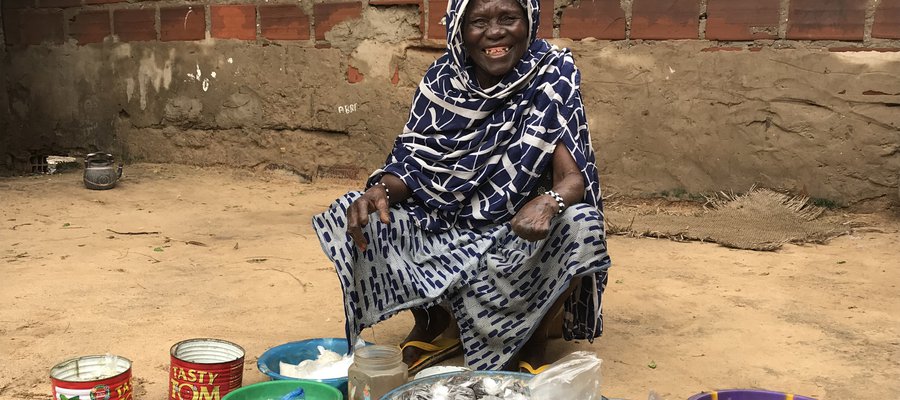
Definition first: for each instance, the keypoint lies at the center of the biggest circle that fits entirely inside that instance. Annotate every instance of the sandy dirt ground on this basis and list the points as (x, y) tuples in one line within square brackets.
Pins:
[(235, 258)]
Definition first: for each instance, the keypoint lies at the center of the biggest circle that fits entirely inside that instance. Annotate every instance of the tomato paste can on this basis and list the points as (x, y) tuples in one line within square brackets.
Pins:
[(106, 377), (205, 369)]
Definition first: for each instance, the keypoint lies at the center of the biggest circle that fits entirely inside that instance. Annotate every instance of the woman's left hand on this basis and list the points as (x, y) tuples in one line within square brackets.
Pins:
[(532, 222)]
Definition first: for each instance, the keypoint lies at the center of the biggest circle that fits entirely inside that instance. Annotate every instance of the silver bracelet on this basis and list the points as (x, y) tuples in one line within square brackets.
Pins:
[(387, 192), (558, 198)]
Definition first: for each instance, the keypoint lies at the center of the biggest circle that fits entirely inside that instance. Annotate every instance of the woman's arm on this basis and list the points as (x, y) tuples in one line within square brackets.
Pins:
[(532, 222), (567, 179), (379, 197)]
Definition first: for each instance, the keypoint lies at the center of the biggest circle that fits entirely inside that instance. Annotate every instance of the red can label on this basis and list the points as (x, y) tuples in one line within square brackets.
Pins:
[(192, 384), (121, 391)]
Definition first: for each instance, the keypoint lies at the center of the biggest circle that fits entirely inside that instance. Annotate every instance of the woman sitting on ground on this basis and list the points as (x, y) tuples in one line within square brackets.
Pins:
[(488, 209)]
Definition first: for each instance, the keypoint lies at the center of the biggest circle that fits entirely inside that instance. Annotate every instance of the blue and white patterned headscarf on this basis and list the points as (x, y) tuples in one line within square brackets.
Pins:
[(470, 155)]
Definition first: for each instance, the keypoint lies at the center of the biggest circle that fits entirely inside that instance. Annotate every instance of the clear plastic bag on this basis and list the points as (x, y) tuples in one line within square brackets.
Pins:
[(576, 376)]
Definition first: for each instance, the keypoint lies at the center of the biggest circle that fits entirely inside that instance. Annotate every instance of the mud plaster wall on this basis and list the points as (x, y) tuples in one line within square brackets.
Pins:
[(673, 116), (4, 102), (820, 118)]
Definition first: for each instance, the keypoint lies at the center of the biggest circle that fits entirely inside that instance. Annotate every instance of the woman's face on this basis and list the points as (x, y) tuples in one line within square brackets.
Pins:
[(495, 34)]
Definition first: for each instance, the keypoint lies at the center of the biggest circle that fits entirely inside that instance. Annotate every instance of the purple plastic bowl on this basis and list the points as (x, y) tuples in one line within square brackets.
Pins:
[(746, 394)]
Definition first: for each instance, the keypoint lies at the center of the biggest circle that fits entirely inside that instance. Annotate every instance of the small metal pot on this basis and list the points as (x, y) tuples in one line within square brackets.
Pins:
[(100, 171)]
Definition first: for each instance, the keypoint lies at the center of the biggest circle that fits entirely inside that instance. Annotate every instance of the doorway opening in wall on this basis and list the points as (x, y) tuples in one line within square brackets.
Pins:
[(51, 164)]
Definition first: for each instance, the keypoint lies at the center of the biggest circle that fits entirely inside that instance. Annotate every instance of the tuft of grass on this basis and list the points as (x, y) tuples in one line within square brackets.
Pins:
[(680, 194), (825, 203)]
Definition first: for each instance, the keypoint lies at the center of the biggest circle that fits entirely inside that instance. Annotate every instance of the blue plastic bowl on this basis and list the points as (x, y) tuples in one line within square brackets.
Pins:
[(295, 352)]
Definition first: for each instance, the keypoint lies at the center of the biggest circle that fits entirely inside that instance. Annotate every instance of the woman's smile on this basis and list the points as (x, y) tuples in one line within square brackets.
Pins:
[(495, 35), (496, 52)]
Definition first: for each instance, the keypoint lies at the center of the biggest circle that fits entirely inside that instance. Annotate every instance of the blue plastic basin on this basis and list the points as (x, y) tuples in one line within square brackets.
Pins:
[(295, 352)]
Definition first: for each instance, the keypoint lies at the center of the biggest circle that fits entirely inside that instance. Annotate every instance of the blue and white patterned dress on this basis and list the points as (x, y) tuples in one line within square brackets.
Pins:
[(472, 157)]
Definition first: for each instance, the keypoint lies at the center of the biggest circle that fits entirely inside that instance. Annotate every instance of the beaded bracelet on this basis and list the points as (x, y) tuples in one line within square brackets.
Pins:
[(558, 198), (387, 192)]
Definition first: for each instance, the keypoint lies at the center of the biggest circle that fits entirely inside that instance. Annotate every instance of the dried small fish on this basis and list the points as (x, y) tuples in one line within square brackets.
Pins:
[(469, 386)]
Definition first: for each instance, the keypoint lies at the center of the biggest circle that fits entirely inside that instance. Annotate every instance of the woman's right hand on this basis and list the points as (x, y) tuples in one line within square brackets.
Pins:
[(374, 199)]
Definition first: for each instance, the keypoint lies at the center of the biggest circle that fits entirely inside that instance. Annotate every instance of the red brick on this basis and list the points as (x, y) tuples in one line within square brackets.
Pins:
[(665, 19), (90, 26), (233, 22), (39, 27), (135, 25), (395, 2), (437, 9), (327, 15), (742, 19), (182, 23), (353, 75), (284, 22), (545, 25), (717, 49), (826, 19), (395, 79), (422, 19), (58, 3), (10, 4), (887, 20), (601, 19)]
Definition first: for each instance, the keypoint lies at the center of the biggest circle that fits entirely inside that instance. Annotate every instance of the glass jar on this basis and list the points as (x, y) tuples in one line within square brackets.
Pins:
[(376, 370)]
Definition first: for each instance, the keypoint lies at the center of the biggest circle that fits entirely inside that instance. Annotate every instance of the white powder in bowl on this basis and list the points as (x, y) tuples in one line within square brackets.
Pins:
[(328, 365)]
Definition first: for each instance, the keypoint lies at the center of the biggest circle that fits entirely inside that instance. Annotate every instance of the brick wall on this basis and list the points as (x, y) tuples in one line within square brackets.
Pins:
[(727, 25), (30, 22)]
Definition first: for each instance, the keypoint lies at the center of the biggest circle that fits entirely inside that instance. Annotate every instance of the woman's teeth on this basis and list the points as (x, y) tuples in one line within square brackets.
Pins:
[(496, 51)]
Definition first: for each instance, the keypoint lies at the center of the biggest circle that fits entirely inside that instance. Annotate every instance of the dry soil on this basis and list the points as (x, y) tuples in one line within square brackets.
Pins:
[(235, 258)]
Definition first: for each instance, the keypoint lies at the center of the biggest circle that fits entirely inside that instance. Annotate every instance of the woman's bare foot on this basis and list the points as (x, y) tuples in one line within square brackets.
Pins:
[(430, 323)]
